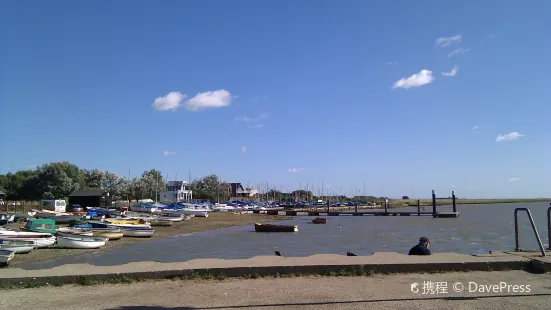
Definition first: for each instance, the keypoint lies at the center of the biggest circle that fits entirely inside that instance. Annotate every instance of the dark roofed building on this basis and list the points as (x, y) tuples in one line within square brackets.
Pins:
[(91, 198)]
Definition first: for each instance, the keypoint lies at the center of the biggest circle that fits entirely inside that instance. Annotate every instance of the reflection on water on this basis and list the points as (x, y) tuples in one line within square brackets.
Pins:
[(479, 228)]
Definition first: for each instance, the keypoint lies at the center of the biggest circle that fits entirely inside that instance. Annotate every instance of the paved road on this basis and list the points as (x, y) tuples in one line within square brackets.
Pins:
[(375, 292)]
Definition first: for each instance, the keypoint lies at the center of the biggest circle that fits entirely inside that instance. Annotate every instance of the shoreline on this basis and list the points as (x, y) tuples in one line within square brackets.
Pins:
[(274, 266), (216, 220)]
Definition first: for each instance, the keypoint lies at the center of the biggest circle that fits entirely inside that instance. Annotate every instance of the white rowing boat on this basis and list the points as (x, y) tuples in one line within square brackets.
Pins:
[(80, 242)]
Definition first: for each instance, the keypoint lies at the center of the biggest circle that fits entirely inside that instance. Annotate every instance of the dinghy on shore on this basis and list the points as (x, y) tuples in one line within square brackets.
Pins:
[(6, 257), (17, 246), (41, 240), (274, 228), (80, 242)]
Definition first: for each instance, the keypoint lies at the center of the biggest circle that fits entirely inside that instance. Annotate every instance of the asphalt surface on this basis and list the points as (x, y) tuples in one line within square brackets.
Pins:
[(373, 292)]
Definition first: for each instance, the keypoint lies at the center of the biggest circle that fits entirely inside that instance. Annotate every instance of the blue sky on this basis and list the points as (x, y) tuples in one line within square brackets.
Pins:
[(402, 96)]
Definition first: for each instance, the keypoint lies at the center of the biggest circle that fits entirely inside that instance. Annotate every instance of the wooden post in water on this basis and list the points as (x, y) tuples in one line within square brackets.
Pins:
[(327, 206), (418, 207), (453, 202), (433, 203), (386, 205), (356, 207)]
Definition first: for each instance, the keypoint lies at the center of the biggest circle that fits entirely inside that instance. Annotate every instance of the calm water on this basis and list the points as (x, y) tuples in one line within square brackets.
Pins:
[(479, 228)]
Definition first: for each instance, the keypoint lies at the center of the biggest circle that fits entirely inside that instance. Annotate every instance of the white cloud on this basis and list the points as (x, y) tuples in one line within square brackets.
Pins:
[(251, 119), (244, 149), (210, 99), (459, 51), (256, 126), (391, 63), (169, 102), (451, 73), (296, 170), (167, 153), (514, 179), (475, 127), (424, 77), (32, 166), (447, 41), (510, 136)]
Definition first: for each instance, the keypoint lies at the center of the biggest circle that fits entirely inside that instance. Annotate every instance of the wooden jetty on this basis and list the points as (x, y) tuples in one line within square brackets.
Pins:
[(386, 212)]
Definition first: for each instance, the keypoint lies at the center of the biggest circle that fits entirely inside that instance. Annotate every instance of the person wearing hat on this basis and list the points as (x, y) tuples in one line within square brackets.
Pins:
[(422, 248)]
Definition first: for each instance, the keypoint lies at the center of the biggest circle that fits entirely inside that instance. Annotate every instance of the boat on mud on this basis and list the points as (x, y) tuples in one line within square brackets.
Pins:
[(274, 228), (319, 220)]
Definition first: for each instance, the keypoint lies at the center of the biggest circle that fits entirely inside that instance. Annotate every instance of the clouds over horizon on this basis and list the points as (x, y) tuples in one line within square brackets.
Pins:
[(515, 179), (510, 136), (244, 149), (447, 41), (459, 51), (424, 77), (167, 153), (253, 120), (451, 73), (205, 100), (296, 170)]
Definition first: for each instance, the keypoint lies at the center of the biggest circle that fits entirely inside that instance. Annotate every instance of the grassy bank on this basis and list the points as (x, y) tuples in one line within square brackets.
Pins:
[(216, 220)]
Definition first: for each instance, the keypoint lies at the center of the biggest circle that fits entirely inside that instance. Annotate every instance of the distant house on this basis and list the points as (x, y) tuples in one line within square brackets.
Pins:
[(91, 198), (237, 190), (176, 191)]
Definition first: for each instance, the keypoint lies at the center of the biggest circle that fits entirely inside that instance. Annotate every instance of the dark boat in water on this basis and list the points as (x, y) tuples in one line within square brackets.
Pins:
[(319, 220), (274, 228)]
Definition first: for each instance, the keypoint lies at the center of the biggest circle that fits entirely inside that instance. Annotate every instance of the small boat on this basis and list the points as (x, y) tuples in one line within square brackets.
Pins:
[(6, 218), (161, 223), (120, 226), (319, 220), (80, 242), (138, 233), (74, 231), (122, 221), (17, 246), (41, 240), (142, 207), (274, 228), (6, 257), (109, 235), (113, 233)]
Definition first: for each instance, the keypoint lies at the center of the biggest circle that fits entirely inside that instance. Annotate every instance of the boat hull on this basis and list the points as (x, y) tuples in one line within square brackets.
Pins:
[(274, 228), (319, 220), (80, 242), (138, 233), (108, 235), (6, 257)]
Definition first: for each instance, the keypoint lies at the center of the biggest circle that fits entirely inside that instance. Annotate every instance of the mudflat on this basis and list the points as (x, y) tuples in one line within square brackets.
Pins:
[(216, 220)]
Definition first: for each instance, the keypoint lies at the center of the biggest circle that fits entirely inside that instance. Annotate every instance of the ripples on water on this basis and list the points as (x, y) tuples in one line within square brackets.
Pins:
[(479, 229)]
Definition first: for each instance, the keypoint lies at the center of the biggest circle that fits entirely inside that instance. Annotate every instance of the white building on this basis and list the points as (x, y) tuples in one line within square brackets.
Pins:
[(176, 192)]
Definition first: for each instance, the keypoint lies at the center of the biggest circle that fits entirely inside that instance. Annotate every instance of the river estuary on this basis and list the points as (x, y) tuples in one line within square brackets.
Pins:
[(479, 228)]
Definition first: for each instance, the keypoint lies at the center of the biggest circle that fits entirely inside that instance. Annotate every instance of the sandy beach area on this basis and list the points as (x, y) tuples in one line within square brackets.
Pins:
[(216, 220)]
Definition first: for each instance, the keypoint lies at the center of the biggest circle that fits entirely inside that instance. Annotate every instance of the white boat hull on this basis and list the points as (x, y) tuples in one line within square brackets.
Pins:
[(143, 209), (80, 242), (5, 257), (17, 249), (140, 233)]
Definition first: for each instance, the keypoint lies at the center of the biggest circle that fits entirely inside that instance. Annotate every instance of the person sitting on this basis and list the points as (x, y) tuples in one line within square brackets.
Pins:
[(422, 248)]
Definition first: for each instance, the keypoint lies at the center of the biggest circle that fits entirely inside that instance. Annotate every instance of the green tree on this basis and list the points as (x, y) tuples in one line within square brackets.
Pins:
[(54, 182)]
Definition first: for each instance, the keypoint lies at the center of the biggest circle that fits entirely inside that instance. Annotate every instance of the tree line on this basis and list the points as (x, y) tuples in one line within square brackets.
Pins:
[(59, 179)]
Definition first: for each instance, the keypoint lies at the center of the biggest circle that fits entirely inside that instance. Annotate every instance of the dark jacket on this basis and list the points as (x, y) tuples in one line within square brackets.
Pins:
[(419, 249)]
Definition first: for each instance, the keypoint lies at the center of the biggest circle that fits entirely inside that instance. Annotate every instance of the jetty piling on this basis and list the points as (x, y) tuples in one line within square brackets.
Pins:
[(453, 202), (418, 207), (433, 203)]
